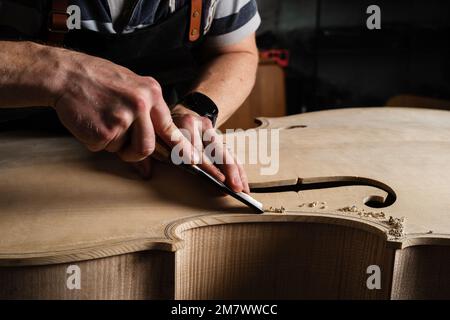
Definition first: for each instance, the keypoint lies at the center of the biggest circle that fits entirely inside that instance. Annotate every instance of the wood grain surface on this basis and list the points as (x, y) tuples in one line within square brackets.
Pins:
[(175, 237)]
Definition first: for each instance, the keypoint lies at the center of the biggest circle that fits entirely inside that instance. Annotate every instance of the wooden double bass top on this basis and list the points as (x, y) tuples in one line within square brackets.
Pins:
[(356, 188)]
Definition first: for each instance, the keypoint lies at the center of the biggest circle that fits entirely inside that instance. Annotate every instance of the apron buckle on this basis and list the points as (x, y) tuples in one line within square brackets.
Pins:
[(195, 20)]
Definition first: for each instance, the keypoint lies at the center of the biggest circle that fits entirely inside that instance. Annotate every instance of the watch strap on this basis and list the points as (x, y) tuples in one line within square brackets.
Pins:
[(202, 105)]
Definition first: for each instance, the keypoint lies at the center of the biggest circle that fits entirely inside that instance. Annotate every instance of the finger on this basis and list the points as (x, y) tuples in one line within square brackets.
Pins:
[(194, 127), (144, 168), (166, 129), (120, 120), (231, 170), (164, 126), (244, 178), (92, 133), (227, 163), (118, 143), (142, 140), (208, 166)]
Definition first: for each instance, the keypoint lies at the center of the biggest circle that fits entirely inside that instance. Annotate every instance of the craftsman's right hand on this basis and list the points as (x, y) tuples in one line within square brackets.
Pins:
[(108, 107)]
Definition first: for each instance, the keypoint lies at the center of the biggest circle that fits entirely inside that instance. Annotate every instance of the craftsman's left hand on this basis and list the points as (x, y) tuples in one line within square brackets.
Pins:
[(196, 126)]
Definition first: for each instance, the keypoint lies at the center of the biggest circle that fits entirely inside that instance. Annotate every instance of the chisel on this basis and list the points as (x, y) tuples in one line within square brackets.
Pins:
[(162, 153)]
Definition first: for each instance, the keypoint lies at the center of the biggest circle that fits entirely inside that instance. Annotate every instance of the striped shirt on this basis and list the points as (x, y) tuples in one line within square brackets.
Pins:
[(226, 21)]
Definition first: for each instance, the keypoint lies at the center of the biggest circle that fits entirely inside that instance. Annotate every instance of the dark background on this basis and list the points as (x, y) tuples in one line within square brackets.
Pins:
[(337, 62)]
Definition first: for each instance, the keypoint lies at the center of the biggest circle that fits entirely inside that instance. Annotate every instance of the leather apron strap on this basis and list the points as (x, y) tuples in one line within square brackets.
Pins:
[(196, 20), (57, 21)]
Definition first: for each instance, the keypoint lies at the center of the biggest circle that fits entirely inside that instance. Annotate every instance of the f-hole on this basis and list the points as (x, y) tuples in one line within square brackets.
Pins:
[(336, 182)]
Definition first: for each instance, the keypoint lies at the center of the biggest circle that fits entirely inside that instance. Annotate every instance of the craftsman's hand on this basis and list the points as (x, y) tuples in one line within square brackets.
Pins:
[(196, 127), (108, 107), (201, 133), (233, 173)]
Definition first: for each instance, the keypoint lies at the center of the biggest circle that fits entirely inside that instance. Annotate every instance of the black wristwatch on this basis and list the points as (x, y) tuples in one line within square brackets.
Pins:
[(201, 104)]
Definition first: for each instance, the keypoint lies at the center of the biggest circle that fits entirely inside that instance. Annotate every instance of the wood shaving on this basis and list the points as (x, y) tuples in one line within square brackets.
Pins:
[(397, 227), (362, 212), (277, 210), (314, 205)]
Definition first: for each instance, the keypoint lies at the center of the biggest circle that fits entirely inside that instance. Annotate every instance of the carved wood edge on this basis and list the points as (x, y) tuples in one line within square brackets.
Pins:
[(174, 240)]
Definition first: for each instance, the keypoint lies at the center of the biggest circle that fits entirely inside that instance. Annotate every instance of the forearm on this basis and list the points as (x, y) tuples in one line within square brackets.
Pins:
[(228, 80), (28, 74)]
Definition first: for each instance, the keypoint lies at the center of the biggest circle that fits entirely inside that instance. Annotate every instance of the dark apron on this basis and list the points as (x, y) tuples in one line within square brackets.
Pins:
[(162, 51)]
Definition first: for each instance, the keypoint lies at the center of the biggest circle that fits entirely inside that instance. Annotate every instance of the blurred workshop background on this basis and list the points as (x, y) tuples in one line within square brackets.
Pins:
[(319, 54)]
